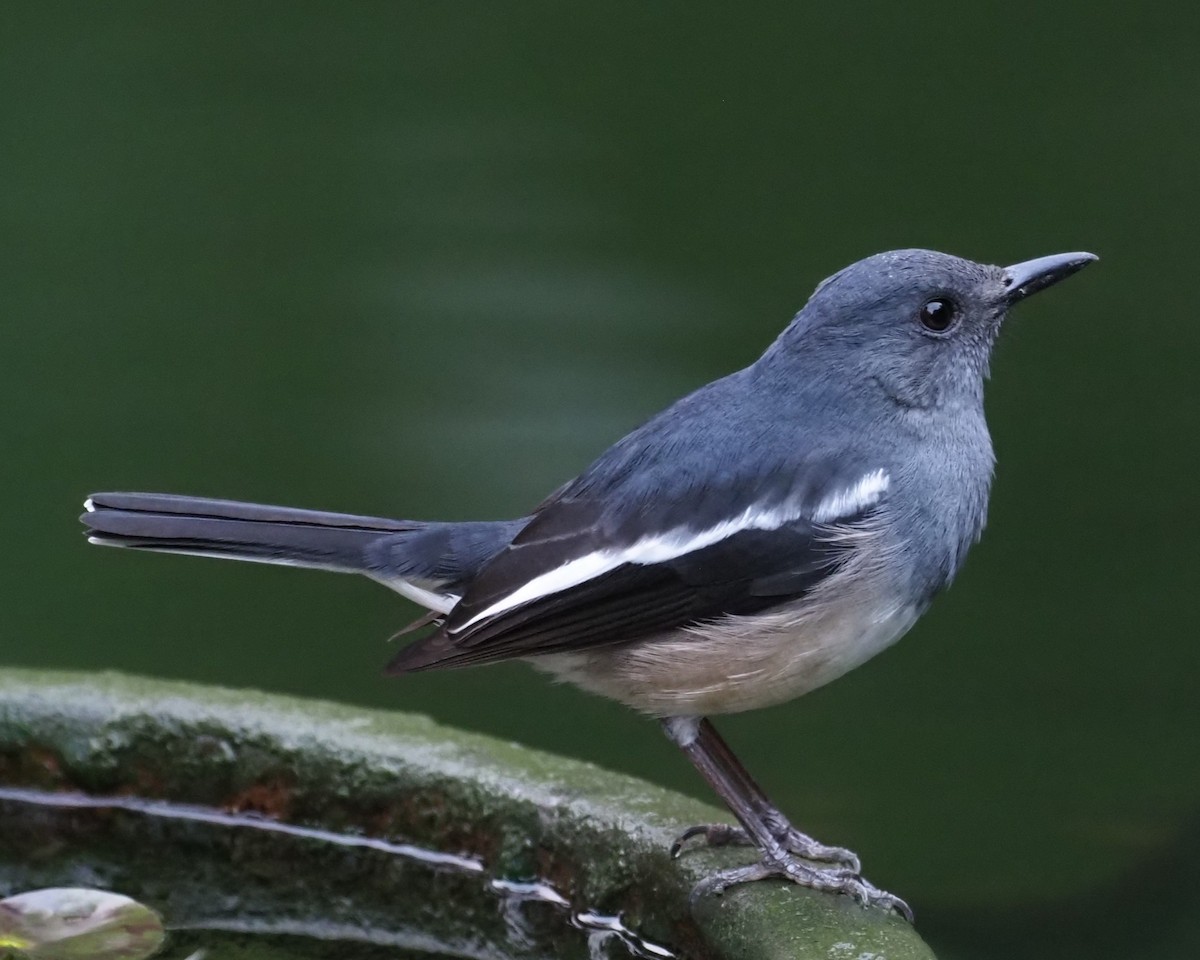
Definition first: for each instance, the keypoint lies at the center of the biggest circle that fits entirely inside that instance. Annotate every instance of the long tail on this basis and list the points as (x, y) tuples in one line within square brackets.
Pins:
[(243, 531), (430, 563)]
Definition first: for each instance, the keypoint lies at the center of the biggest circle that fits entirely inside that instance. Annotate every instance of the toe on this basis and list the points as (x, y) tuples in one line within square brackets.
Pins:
[(805, 846), (791, 867)]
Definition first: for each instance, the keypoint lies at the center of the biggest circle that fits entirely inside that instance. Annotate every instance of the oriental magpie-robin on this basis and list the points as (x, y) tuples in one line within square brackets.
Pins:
[(755, 540)]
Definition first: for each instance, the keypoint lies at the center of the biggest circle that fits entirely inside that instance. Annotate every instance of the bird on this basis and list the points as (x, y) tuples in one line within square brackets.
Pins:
[(755, 540)]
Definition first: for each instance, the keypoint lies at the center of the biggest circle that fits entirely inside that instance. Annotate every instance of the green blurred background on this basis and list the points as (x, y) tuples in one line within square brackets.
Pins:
[(428, 260)]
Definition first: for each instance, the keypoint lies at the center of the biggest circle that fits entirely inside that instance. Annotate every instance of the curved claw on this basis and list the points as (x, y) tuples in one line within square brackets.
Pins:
[(893, 903), (715, 835)]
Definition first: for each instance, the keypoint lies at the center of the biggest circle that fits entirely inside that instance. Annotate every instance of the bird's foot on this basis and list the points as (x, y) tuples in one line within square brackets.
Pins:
[(791, 839), (787, 866)]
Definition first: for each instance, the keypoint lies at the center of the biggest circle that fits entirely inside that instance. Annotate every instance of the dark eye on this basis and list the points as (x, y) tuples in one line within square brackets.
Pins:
[(937, 315)]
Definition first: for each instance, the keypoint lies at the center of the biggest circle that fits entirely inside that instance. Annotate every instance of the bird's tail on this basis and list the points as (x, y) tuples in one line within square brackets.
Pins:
[(241, 531), (428, 562)]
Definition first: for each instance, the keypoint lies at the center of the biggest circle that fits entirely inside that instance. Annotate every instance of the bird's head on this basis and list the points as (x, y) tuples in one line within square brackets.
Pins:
[(917, 324)]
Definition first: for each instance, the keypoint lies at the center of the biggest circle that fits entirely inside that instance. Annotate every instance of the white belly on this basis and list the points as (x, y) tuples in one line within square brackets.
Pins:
[(741, 663)]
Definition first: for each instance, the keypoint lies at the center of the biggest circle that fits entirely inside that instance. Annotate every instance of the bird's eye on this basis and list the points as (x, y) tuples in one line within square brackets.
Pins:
[(938, 315)]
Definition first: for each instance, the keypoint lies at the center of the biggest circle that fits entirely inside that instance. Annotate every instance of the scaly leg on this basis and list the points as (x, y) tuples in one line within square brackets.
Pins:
[(764, 827), (724, 834)]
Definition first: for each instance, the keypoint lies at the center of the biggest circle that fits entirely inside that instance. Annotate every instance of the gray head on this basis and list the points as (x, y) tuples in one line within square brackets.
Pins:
[(917, 324)]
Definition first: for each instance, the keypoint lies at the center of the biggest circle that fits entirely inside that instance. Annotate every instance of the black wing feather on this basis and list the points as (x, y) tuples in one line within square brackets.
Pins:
[(709, 459), (745, 573)]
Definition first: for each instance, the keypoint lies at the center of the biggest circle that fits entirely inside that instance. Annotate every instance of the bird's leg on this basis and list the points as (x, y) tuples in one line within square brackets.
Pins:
[(723, 834), (762, 824)]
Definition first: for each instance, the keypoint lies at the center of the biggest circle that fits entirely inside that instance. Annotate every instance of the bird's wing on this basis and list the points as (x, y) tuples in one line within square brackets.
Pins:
[(601, 567)]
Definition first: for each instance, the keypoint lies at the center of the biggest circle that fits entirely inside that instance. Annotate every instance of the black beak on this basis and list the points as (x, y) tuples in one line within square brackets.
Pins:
[(1022, 279)]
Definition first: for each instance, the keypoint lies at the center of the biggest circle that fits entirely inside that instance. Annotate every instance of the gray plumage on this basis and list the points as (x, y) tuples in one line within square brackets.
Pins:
[(856, 386), (755, 540)]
